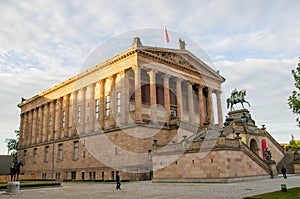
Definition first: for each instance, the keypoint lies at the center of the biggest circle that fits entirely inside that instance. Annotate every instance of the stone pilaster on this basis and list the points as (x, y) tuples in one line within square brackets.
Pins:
[(30, 121), (138, 94), (102, 103), (167, 97), (201, 105), (83, 111), (66, 100), (73, 116), (112, 101), (26, 129), (124, 98), (52, 120), (22, 127), (179, 97), (45, 123), (91, 114), (40, 124), (34, 125), (152, 75), (58, 117)]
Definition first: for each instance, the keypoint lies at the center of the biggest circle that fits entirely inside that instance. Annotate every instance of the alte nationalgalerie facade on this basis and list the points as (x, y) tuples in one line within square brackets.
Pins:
[(112, 116)]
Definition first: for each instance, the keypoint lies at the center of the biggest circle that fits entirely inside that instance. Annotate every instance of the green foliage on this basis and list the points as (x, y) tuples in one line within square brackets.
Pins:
[(13, 144), (294, 144), (294, 99)]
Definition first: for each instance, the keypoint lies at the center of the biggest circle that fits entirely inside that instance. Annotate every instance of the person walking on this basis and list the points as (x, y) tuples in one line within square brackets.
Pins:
[(118, 179), (283, 171)]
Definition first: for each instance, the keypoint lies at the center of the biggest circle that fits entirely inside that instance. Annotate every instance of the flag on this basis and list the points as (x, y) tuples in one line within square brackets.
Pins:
[(166, 34)]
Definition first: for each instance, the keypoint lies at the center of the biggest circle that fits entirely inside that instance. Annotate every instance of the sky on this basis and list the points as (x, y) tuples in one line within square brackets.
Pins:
[(254, 44)]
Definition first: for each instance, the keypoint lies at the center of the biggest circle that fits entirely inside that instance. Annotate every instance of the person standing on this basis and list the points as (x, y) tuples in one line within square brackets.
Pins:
[(118, 179), (283, 171)]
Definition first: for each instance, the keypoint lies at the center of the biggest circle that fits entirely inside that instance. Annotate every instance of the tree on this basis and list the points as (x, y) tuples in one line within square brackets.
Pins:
[(294, 99), (294, 144), (13, 144)]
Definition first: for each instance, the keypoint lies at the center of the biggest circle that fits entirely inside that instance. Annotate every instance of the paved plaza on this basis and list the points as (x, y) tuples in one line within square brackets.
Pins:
[(147, 189)]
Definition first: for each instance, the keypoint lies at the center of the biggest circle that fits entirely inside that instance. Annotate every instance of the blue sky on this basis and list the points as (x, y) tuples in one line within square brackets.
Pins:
[(254, 44)]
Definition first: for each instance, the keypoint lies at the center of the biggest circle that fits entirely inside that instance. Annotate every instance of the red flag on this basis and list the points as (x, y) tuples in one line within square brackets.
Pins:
[(166, 34)]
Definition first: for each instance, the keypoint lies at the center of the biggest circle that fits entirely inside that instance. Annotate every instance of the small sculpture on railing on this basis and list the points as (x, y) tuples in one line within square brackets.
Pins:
[(268, 154)]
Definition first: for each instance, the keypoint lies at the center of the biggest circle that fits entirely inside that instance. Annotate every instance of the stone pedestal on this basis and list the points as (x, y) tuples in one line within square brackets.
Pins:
[(13, 187)]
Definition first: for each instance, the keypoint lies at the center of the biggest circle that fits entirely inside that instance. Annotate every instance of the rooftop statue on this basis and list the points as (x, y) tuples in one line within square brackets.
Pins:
[(236, 97)]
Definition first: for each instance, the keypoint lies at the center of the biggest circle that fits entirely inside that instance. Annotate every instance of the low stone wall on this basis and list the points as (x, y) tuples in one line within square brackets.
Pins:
[(220, 165), (6, 178), (297, 168)]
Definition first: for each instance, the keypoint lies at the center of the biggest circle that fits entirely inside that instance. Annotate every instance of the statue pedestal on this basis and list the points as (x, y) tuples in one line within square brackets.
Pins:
[(13, 187)]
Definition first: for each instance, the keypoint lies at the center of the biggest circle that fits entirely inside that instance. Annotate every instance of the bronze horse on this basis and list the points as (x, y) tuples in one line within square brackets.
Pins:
[(240, 98), (15, 171)]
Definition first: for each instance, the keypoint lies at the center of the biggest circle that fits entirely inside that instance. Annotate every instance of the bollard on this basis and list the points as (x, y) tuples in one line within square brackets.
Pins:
[(283, 188), (13, 187)]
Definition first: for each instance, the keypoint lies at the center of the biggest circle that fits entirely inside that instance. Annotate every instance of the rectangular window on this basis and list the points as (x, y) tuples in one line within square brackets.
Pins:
[(78, 114), (75, 150), (44, 176), (63, 119), (119, 102), (50, 122), (107, 106), (73, 175), (60, 152), (35, 155), (24, 156), (97, 107), (46, 158)]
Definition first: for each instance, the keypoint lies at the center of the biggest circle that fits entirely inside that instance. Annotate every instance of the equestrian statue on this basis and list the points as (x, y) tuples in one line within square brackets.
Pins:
[(237, 97), (15, 171)]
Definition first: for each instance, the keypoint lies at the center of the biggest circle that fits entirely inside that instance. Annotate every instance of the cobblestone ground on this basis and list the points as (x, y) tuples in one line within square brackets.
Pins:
[(147, 189)]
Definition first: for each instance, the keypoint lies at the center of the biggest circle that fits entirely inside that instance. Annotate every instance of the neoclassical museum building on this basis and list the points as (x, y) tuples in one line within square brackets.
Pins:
[(146, 112)]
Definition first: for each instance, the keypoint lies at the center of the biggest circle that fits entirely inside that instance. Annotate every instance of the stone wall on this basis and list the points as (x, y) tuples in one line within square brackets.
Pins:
[(216, 165)]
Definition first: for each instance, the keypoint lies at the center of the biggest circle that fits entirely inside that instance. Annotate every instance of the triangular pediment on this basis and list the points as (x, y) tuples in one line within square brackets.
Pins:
[(185, 59)]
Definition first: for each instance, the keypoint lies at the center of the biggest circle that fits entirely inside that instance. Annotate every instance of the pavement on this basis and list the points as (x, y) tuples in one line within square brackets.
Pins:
[(147, 189)]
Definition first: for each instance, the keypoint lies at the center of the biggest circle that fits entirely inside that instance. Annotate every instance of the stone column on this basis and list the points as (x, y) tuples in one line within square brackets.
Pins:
[(152, 75), (92, 108), (34, 126), (219, 106), (58, 117), (179, 97), (201, 105), (190, 102), (40, 124), (45, 123), (66, 106), (210, 106), (138, 95), (167, 97), (124, 98), (102, 103), (112, 101), (73, 115)]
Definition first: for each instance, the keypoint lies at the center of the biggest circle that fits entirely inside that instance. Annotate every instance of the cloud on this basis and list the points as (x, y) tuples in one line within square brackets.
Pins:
[(253, 44)]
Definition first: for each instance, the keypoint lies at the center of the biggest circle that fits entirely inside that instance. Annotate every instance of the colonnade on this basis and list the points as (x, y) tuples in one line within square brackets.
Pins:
[(75, 112)]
